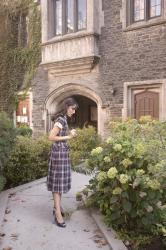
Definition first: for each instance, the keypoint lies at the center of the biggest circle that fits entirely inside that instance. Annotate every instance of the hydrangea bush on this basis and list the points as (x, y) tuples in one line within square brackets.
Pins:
[(129, 186)]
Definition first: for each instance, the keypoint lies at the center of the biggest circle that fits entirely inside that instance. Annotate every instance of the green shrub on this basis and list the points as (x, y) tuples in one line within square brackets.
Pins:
[(81, 146), (7, 138), (28, 160), (129, 186), (78, 196), (24, 130), (29, 157), (2, 182)]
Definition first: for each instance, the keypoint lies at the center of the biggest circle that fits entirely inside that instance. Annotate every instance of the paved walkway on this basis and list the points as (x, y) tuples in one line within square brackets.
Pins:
[(28, 221)]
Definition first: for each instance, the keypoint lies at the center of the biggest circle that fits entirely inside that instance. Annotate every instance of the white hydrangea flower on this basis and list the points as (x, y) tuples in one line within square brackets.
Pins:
[(123, 178), (109, 140), (126, 162), (117, 190), (140, 172), (101, 176), (112, 172), (107, 159), (153, 184), (96, 151), (117, 147)]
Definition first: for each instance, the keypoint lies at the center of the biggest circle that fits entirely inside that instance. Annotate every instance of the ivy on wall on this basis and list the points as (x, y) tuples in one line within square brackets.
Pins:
[(19, 49)]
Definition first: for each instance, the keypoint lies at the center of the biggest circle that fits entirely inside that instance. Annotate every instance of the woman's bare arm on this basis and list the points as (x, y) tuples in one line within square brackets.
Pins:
[(53, 135)]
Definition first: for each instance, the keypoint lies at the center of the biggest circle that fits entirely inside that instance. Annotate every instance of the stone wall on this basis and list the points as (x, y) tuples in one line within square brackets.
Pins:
[(136, 55)]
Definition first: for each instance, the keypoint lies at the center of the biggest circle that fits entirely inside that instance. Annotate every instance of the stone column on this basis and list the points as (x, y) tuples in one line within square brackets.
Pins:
[(102, 121), (44, 20), (95, 16)]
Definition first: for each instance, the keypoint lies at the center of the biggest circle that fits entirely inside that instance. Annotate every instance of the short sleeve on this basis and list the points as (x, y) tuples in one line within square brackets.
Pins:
[(59, 123)]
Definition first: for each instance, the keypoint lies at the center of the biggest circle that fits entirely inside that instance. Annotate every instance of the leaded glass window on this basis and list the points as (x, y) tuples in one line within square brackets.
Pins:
[(81, 14), (139, 10), (70, 16), (155, 8), (58, 17)]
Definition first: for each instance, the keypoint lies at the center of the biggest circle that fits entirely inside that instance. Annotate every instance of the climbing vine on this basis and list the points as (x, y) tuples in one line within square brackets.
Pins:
[(19, 49)]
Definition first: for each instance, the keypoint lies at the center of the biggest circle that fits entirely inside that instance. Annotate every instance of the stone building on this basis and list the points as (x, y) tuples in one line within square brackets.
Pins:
[(110, 55)]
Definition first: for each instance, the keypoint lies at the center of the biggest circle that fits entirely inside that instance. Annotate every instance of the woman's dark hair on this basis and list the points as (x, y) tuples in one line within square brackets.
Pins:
[(70, 102), (64, 106)]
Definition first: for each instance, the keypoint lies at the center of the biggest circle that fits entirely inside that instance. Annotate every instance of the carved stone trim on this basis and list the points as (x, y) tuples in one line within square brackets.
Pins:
[(71, 67)]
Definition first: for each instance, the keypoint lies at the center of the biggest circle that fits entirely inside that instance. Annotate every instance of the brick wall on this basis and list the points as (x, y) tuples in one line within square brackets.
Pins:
[(134, 55)]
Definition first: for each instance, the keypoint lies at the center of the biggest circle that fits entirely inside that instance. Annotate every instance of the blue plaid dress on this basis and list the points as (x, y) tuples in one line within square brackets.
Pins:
[(59, 169)]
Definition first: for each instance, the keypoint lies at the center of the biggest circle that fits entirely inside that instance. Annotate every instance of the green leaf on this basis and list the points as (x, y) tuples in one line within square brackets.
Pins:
[(127, 206), (125, 195), (133, 213), (144, 204), (115, 215), (151, 194), (145, 221), (113, 199)]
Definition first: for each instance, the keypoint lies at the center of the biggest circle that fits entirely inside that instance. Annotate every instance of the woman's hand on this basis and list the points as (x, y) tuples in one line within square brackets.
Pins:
[(73, 133)]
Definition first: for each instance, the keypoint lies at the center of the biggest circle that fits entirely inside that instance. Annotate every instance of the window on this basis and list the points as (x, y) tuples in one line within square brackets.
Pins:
[(155, 8), (22, 30), (58, 17), (143, 10), (81, 14), (139, 10), (69, 16)]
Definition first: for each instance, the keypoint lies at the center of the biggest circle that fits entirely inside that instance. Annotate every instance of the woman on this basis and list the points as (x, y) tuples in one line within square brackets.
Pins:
[(59, 172)]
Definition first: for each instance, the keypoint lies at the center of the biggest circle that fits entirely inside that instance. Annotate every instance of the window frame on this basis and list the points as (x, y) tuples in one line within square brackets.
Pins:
[(161, 8), (132, 12), (64, 17), (130, 23)]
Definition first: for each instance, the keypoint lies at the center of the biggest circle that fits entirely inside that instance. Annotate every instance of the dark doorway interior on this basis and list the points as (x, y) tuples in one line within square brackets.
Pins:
[(86, 114)]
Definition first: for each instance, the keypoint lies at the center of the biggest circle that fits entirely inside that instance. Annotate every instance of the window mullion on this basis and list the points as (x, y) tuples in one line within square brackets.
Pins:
[(131, 11), (147, 9), (75, 16), (64, 16), (54, 17)]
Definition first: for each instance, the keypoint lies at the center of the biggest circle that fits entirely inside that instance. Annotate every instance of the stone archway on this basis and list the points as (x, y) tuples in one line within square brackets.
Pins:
[(59, 94)]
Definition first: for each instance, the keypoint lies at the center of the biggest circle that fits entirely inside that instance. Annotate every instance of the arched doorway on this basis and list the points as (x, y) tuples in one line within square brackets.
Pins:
[(85, 115), (91, 109)]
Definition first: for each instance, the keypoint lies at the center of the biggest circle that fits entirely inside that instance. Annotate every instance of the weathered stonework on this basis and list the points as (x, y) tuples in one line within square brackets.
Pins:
[(124, 55)]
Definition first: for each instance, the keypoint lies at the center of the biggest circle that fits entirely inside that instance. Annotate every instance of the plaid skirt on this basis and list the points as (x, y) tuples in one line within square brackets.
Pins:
[(59, 170)]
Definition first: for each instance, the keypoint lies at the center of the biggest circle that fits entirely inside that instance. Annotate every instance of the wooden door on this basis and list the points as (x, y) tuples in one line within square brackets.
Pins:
[(146, 103)]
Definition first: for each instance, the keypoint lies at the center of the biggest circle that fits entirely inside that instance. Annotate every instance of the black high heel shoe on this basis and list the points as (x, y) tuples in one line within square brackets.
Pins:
[(60, 224), (62, 213)]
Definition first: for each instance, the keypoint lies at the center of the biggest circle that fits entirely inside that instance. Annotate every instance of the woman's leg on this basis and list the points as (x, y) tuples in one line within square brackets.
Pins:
[(57, 205), (62, 210)]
